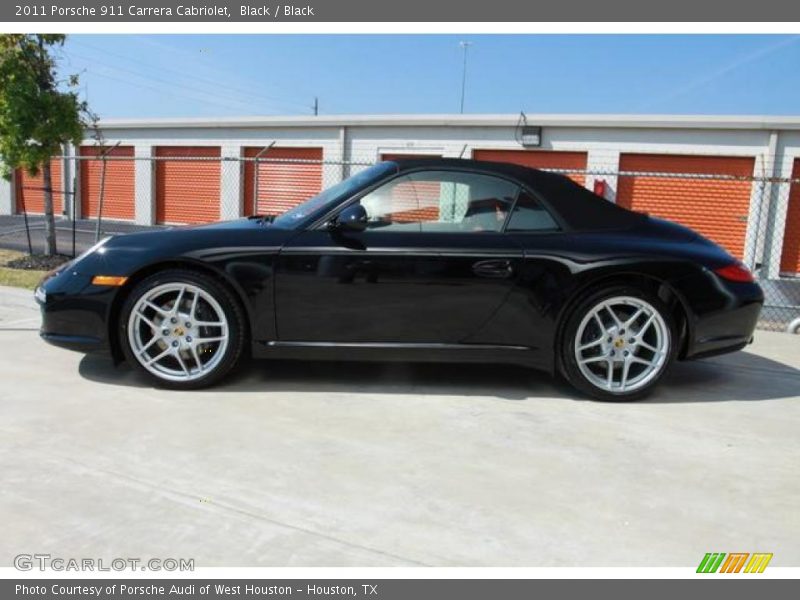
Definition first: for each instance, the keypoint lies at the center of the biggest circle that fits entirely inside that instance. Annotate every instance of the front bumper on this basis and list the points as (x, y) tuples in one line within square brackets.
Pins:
[(74, 312)]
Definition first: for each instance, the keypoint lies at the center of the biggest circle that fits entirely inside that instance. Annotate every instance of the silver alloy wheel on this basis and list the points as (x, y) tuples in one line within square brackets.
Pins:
[(178, 331), (622, 344)]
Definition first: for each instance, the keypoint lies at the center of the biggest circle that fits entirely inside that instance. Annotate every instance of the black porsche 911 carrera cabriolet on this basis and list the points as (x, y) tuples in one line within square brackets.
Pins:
[(418, 260)]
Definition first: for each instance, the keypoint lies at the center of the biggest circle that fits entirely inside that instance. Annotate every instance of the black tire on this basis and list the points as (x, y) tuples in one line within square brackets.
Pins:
[(229, 305), (568, 361)]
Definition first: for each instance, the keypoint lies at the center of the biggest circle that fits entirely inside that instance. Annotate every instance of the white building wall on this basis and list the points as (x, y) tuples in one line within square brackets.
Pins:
[(231, 188), (144, 185), (6, 196)]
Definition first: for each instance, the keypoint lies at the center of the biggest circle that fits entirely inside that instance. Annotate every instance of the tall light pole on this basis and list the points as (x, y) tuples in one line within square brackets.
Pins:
[(465, 46)]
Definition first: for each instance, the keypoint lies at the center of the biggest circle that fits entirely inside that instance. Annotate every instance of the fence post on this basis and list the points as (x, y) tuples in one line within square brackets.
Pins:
[(27, 225), (102, 189), (75, 175), (759, 230), (255, 175)]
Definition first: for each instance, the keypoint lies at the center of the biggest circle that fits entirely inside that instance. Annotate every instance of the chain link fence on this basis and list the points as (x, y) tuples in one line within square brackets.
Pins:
[(111, 191)]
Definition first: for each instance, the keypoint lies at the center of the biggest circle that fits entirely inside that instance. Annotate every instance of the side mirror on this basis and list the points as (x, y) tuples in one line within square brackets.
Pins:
[(352, 218)]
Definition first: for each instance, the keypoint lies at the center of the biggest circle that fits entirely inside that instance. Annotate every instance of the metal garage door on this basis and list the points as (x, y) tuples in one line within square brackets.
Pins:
[(187, 189), (119, 186), (539, 159), (30, 190), (282, 185), (406, 198), (790, 256), (716, 208)]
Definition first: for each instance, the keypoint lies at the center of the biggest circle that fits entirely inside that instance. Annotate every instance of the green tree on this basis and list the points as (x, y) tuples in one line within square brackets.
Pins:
[(38, 113)]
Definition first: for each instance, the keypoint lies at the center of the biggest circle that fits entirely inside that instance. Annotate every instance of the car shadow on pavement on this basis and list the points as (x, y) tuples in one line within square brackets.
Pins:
[(508, 382), (738, 377)]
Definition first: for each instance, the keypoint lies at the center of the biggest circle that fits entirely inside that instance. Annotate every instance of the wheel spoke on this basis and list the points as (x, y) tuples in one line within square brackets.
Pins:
[(152, 325), (193, 308), (206, 340), (197, 360), (610, 374), (148, 345), (635, 316), (178, 300), (182, 363), (646, 346), (646, 325), (593, 359), (158, 357), (156, 308), (624, 380), (592, 344), (642, 361), (614, 316), (209, 323)]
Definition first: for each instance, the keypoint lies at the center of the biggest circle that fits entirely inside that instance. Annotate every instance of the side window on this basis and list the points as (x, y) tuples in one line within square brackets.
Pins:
[(440, 201), (530, 215)]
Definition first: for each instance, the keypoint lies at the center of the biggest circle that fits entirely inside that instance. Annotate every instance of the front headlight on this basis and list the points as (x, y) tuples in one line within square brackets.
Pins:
[(40, 295)]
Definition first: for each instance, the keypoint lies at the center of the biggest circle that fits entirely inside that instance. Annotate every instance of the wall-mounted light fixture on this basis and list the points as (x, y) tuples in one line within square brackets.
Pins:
[(531, 137)]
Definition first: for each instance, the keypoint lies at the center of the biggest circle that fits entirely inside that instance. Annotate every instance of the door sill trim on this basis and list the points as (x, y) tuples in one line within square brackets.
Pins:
[(393, 345)]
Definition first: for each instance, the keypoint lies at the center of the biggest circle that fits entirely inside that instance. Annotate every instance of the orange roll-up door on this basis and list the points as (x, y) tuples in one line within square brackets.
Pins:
[(118, 189), (539, 159), (715, 208), (187, 189), (281, 185), (30, 190)]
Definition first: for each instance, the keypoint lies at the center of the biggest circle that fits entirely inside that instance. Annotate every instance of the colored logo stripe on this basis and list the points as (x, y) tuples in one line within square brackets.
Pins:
[(758, 562), (734, 562), (711, 562)]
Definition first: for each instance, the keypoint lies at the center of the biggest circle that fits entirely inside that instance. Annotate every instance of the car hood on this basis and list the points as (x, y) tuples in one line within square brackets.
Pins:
[(125, 254)]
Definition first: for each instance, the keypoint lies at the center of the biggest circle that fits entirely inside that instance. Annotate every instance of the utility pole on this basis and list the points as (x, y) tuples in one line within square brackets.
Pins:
[(316, 106), (465, 46)]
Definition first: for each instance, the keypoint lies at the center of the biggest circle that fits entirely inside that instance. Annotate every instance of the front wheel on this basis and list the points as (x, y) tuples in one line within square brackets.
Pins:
[(182, 329), (618, 344)]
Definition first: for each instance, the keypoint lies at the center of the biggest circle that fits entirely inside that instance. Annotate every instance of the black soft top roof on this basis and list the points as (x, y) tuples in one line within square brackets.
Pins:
[(578, 208)]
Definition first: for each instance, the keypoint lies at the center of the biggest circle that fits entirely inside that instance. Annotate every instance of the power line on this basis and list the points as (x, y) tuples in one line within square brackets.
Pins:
[(156, 89), (213, 94), (183, 74)]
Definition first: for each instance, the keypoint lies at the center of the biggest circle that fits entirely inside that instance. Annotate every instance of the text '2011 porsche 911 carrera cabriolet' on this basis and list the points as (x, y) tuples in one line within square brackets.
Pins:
[(416, 260)]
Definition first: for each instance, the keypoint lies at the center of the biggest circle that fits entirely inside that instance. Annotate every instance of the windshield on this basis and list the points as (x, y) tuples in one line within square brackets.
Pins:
[(327, 199)]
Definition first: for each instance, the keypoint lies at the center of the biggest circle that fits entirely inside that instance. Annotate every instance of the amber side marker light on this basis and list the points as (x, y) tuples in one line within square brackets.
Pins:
[(736, 272), (112, 280)]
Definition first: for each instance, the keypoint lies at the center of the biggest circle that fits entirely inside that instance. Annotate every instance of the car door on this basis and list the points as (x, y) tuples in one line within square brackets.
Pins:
[(432, 266)]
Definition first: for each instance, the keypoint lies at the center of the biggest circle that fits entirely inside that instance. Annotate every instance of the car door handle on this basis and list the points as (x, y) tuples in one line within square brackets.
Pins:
[(496, 269)]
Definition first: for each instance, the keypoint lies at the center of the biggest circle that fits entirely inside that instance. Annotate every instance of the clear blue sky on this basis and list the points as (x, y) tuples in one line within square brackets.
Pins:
[(224, 75)]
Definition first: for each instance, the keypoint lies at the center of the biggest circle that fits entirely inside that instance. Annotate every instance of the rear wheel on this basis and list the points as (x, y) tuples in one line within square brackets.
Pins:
[(182, 329), (618, 344)]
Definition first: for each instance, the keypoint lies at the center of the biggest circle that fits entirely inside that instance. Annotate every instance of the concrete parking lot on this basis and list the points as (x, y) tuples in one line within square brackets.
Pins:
[(312, 464)]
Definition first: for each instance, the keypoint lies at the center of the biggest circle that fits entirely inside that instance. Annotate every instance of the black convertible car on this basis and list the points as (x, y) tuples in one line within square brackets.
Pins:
[(418, 260)]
